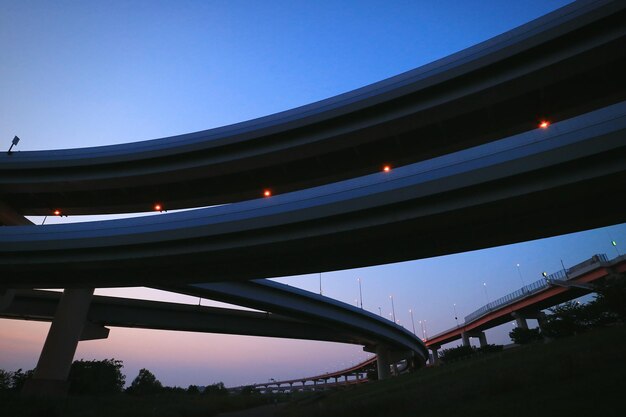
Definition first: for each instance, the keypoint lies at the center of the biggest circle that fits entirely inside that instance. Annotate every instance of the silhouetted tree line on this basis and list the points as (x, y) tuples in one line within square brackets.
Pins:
[(105, 378)]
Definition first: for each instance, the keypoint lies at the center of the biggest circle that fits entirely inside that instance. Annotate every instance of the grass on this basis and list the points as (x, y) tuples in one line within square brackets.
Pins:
[(584, 375), (121, 405)]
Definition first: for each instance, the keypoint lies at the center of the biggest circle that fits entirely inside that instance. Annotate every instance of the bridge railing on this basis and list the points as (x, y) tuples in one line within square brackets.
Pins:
[(563, 275)]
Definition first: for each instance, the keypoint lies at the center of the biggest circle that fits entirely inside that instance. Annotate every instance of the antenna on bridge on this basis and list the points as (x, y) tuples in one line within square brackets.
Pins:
[(14, 142)]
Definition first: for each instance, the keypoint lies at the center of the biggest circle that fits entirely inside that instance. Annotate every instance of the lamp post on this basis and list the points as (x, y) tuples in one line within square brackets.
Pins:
[(393, 309), (456, 318), (486, 296), (520, 276), (614, 244), (360, 292), (320, 283), (412, 321), (380, 311)]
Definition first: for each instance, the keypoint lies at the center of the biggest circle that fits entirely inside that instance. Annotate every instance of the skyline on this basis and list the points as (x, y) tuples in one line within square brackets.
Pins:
[(485, 267)]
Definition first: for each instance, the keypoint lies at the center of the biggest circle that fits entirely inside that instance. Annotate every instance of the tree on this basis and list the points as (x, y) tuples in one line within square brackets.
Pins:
[(611, 297), (566, 319), (18, 378), (216, 389), (145, 384), (5, 379), (96, 377)]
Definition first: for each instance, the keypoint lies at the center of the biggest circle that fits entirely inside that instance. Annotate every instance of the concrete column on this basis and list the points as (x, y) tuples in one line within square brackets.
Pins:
[(541, 319), (482, 338), (435, 352), (53, 367), (465, 338), (521, 322), (383, 362)]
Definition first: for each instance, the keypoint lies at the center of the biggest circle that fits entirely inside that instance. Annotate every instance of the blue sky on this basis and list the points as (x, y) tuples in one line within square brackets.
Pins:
[(77, 74)]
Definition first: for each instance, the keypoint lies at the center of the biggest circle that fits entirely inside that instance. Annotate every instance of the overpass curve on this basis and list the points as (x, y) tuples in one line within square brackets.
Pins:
[(40, 305), (561, 65), (530, 185)]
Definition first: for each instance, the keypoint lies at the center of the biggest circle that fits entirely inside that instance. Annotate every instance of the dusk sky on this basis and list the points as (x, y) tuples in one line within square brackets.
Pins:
[(78, 74)]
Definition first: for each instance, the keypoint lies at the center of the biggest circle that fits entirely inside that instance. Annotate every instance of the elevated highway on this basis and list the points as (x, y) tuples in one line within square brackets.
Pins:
[(104, 311), (534, 184), (470, 170), (557, 67)]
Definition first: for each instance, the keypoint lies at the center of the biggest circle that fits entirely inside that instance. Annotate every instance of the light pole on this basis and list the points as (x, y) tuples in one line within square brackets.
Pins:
[(412, 321), (486, 296), (456, 318), (320, 283), (380, 312), (520, 276), (425, 330), (614, 243), (393, 309), (360, 292)]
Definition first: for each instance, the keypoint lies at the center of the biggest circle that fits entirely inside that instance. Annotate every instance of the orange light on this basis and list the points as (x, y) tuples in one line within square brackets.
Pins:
[(57, 212), (158, 207), (386, 168), (544, 124), (267, 193)]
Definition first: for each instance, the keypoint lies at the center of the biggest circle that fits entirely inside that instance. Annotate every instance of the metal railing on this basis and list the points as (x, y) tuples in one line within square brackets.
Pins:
[(537, 286)]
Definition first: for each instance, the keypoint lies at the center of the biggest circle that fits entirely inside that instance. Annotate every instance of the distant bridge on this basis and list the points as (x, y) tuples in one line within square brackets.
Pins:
[(530, 300)]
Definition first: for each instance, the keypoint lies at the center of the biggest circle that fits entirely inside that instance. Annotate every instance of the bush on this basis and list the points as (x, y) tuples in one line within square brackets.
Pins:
[(456, 353), (96, 377), (490, 349), (523, 336), (5, 379)]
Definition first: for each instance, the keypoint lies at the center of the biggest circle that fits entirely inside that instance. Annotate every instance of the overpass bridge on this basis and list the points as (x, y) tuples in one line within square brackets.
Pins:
[(356, 374), (460, 135), (530, 300), (557, 67)]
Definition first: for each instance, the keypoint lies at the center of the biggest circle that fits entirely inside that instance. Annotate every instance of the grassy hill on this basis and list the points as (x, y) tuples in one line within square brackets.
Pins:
[(582, 375)]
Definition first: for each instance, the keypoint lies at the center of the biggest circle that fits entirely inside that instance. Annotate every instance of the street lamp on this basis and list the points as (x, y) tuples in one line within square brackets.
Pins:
[(14, 142), (486, 296), (614, 243), (412, 321), (393, 309), (456, 318), (360, 292), (520, 276)]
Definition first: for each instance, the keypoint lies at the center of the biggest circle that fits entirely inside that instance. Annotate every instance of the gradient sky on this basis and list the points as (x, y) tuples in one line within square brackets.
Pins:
[(76, 74)]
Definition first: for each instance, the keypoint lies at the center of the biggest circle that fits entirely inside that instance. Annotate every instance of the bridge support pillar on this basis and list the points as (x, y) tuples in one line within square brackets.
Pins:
[(382, 362), (53, 367), (482, 339), (520, 321), (435, 355), (466, 339)]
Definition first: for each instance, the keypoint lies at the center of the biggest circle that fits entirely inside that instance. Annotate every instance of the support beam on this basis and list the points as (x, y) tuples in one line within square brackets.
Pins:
[(53, 368)]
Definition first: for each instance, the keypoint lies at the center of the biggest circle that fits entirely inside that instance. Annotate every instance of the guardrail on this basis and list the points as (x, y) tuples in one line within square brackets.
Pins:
[(537, 286)]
